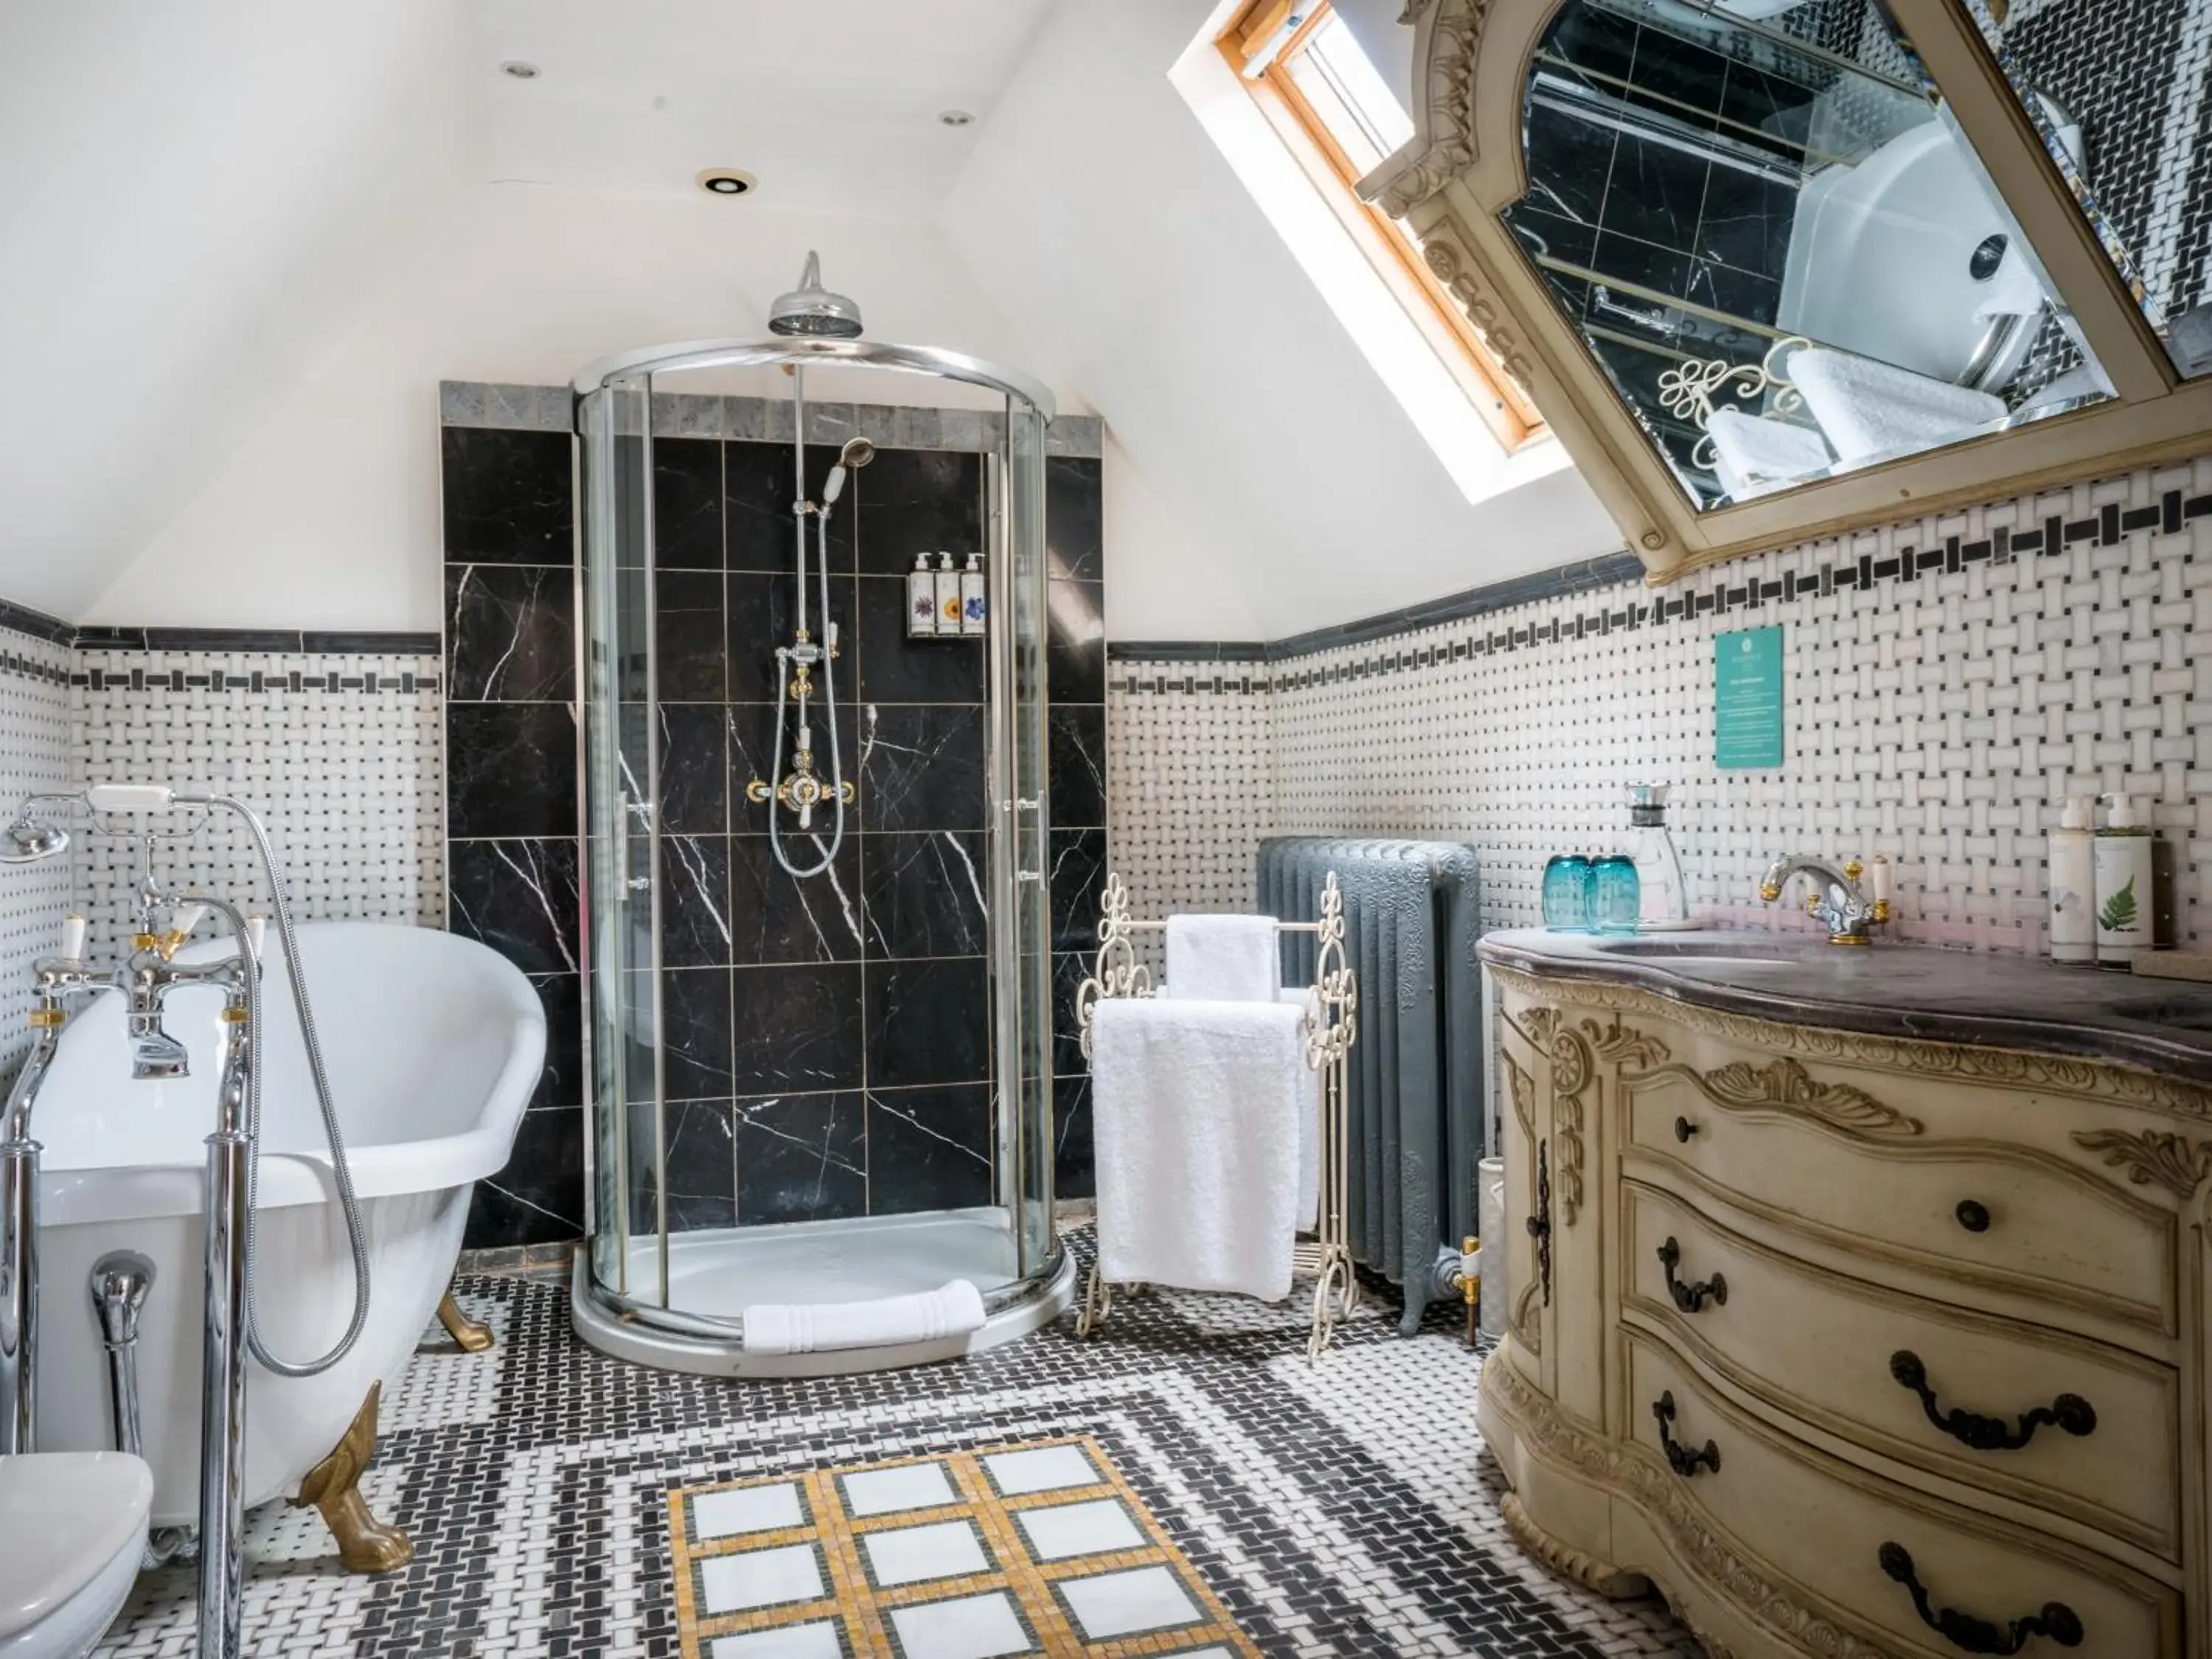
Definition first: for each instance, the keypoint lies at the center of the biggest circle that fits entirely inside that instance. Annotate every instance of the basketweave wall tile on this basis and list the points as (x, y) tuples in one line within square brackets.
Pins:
[(34, 898), (1950, 680)]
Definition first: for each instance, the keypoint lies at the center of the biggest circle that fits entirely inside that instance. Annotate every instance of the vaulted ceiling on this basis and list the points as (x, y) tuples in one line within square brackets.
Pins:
[(240, 241)]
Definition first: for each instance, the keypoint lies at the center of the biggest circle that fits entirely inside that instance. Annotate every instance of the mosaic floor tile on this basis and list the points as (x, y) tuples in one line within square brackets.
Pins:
[(1342, 1508)]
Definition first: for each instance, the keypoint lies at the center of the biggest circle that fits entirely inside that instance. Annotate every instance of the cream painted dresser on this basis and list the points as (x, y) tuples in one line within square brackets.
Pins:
[(1858, 1300)]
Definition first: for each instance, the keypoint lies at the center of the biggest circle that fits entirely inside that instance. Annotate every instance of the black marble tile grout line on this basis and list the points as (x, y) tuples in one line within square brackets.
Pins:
[(1257, 663)]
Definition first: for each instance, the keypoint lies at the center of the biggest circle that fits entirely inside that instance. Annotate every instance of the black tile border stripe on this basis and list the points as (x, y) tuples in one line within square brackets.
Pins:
[(21, 619), (260, 684), (1249, 667), (290, 641)]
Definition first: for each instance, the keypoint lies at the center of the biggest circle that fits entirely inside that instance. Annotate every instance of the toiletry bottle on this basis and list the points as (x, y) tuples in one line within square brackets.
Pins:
[(2122, 856), (921, 600), (948, 595), (975, 609), (2073, 881)]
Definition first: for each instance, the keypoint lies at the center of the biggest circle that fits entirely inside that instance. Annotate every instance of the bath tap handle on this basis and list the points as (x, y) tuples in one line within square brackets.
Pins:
[(256, 927), (72, 931)]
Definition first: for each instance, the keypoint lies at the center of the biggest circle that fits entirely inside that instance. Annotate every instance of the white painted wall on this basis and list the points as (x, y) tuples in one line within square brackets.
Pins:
[(1100, 214), (327, 516), (193, 199)]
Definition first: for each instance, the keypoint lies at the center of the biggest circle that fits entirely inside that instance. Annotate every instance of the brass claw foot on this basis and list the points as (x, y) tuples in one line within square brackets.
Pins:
[(470, 1336), (333, 1486)]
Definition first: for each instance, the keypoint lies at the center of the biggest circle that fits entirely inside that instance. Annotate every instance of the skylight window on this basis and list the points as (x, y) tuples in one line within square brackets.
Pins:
[(1340, 118)]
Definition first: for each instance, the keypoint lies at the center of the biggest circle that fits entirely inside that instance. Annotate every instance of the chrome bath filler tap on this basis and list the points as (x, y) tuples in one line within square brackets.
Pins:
[(145, 981)]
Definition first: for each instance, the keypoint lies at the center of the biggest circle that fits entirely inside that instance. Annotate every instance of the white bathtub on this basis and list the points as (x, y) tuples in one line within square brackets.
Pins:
[(434, 1045)]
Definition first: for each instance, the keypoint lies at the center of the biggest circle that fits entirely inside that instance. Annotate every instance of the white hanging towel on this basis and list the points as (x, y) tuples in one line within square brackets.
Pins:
[(1868, 409), (1196, 1109), (952, 1309), (1308, 1122), (1222, 958)]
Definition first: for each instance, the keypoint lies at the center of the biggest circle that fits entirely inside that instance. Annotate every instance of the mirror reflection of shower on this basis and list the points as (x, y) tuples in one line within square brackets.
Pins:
[(810, 310)]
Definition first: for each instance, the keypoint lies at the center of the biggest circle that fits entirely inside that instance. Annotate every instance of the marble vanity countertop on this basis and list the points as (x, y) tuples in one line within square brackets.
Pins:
[(1894, 990)]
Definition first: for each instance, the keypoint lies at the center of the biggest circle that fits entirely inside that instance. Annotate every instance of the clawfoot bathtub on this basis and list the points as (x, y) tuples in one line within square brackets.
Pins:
[(434, 1045)]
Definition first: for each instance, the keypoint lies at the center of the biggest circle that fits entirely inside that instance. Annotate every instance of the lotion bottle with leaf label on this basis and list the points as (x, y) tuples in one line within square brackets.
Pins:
[(2123, 857)]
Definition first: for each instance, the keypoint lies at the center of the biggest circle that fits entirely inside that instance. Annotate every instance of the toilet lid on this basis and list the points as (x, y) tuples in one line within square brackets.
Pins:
[(66, 1517)]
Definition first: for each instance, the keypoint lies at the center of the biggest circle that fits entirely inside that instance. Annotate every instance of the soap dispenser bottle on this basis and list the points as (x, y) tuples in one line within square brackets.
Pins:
[(975, 605), (948, 595), (921, 600), (2122, 862), (2073, 881)]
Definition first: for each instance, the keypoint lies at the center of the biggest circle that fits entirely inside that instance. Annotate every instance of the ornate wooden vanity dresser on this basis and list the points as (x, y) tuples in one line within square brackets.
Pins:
[(1856, 1342)]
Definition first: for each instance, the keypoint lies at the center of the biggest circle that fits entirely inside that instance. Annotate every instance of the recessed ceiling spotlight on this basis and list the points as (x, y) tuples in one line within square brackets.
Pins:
[(956, 118), (726, 181), (518, 70)]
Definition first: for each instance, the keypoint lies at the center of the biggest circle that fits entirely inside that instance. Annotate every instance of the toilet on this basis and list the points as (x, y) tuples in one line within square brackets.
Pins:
[(72, 1531)]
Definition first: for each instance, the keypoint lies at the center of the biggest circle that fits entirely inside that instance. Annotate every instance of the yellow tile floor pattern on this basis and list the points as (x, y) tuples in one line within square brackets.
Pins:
[(809, 1588)]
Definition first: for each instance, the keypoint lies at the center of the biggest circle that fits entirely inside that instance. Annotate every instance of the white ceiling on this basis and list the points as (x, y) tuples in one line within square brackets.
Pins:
[(831, 103)]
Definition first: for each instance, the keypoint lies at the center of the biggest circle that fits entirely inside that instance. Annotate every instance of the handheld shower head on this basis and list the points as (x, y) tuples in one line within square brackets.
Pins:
[(27, 840), (856, 454), (812, 309)]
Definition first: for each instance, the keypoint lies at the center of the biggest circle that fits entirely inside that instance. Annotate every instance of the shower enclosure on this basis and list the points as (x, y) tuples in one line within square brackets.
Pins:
[(656, 1286)]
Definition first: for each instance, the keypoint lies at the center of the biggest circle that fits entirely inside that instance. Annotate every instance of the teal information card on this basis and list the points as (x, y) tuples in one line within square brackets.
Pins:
[(1747, 699)]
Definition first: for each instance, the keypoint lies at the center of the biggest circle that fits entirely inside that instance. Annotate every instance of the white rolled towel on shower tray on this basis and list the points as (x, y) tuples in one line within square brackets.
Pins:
[(955, 1309)]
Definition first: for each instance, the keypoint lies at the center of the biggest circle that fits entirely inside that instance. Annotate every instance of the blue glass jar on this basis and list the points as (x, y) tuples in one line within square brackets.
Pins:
[(1567, 894), (1617, 899)]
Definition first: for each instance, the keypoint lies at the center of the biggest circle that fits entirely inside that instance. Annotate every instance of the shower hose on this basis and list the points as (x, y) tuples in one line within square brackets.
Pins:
[(829, 710)]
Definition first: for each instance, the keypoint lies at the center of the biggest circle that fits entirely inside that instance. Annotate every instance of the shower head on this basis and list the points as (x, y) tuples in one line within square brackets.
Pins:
[(27, 840), (856, 453), (812, 309)]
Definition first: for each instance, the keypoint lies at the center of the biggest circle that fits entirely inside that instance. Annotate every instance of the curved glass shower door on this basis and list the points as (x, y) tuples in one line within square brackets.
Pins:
[(817, 917)]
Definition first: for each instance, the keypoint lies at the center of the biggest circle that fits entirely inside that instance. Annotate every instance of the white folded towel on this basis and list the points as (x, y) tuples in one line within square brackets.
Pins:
[(1195, 1122), (1868, 409), (954, 1309), (1757, 454), (2013, 290), (1222, 958)]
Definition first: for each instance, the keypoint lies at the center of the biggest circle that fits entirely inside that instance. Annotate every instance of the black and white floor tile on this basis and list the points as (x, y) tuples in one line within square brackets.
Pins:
[(1344, 1508)]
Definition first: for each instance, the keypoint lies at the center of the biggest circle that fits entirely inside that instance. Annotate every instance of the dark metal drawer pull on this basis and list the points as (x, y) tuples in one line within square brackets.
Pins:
[(1682, 1459), (1971, 1635), (1683, 1129), (1972, 1216), (1692, 1296), (2069, 1412)]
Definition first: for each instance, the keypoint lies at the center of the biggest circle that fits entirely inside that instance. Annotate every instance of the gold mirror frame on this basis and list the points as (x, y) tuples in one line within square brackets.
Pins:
[(1464, 166)]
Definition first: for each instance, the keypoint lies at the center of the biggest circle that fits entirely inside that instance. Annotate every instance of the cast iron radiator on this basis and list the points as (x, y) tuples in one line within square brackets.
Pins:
[(1414, 1108)]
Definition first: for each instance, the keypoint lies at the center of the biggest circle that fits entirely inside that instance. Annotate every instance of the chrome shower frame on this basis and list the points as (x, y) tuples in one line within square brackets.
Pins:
[(1016, 821)]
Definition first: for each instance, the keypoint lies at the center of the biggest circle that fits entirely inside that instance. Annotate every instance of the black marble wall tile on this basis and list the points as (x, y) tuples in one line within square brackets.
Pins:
[(929, 1149), (509, 496), (510, 633), (1077, 765), (799, 1027), (695, 768), (802, 1158), (510, 770), (896, 669), (696, 911), (1069, 970), (688, 636), (687, 503), (763, 610), (517, 896), (1073, 1173), (921, 768), (757, 517), (702, 1181), (1075, 642), (694, 1032), (777, 917), (562, 1083), (929, 1021), (539, 1195), (925, 894), (1077, 876), (918, 501), (1074, 518)]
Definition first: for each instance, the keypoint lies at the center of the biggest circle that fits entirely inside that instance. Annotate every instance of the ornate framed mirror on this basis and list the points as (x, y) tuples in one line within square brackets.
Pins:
[(1778, 268)]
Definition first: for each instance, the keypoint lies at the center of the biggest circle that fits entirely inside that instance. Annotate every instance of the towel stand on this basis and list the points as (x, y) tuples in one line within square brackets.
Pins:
[(1332, 1024)]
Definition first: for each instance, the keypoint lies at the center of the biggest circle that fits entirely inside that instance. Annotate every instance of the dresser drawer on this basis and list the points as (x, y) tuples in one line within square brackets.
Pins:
[(1852, 1158), (1851, 1546), (1856, 1358)]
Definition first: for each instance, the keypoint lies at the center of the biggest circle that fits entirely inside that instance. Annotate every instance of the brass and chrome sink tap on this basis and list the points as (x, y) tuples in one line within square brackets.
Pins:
[(1841, 905)]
